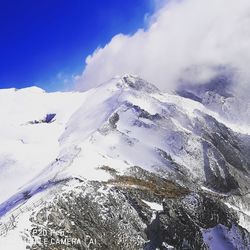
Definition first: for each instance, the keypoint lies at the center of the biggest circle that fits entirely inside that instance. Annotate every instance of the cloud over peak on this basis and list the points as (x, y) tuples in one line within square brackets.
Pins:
[(186, 40)]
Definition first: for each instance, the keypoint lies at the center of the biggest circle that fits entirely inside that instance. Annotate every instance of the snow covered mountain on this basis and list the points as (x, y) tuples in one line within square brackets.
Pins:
[(122, 166), (218, 95)]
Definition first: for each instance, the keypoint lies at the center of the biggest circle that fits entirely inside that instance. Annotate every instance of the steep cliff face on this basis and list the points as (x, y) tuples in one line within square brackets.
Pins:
[(133, 168)]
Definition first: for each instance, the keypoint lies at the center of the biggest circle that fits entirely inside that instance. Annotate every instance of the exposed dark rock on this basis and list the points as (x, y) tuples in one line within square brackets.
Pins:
[(115, 217), (47, 119), (113, 120)]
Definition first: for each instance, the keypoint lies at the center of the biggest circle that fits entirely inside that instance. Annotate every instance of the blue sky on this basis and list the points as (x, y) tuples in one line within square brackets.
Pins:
[(43, 42)]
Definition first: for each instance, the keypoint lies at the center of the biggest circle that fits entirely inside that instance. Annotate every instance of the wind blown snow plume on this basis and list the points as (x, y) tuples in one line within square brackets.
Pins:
[(188, 40)]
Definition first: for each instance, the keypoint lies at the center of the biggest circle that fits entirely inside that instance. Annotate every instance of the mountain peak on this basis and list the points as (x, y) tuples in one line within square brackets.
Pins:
[(128, 81), (138, 84)]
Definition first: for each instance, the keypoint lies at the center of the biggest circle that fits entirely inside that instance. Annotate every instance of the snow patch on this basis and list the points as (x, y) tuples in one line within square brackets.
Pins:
[(153, 205)]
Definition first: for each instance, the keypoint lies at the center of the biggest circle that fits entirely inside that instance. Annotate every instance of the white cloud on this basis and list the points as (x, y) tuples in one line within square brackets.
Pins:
[(182, 35)]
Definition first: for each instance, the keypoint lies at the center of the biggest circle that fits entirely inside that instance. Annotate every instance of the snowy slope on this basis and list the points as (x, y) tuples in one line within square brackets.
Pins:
[(122, 123), (27, 148)]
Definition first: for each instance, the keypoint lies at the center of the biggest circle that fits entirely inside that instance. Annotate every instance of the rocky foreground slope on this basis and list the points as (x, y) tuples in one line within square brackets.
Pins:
[(131, 168)]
